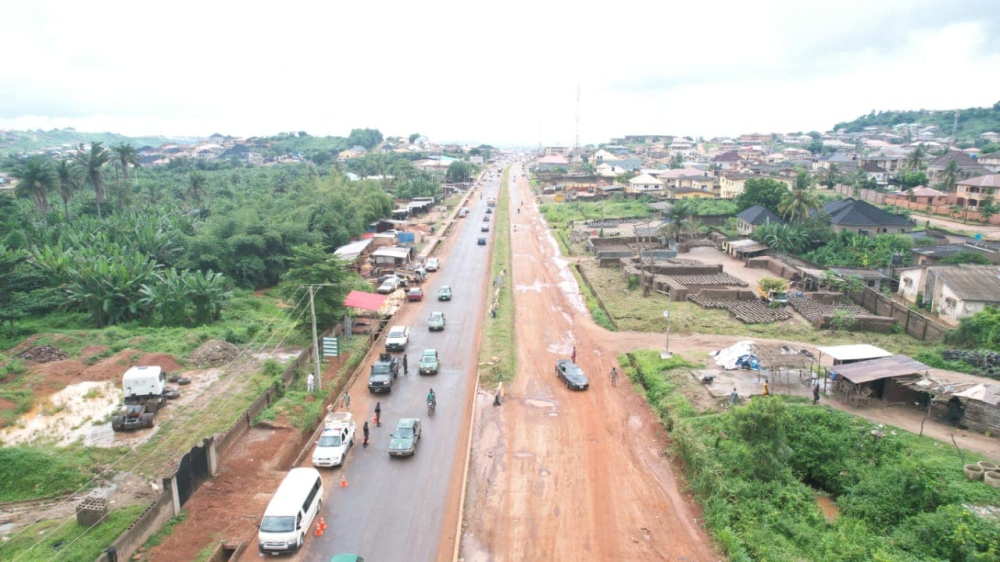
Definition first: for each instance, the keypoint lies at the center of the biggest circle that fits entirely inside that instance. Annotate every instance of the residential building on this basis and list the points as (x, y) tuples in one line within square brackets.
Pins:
[(968, 167), (732, 184), (850, 215), (699, 181), (875, 172), (990, 161), (974, 191), (751, 218), (602, 156), (953, 291), (552, 162), (927, 196), (990, 136), (644, 183), (691, 193), (727, 161), (932, 255), (890, 162)]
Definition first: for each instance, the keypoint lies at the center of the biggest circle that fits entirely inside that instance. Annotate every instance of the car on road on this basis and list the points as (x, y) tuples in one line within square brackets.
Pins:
[(433, 264), (489, 210), (484, 228), (389, 285), (436, 321), (481, 241), (572, 375), (415, 294), (336, 439), (444, 293), (397, 338), (429, 363), (384, 373), (403, 441), (486, 219)]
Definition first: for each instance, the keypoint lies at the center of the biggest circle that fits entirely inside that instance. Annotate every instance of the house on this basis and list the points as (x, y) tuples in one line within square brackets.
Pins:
[(602, 156), (843, 162), (731, 184), (953, 291), (875, 172), (850, 215), (974, 192), (751, 218), (349, 154), (990, 161), (351, 252), (670, 177), (931, 255), (990, 136), (967, 166), (891, 162), (392, 256), (645, 183), (552, 162), (728, 161), (927, 196), (697, 181), (691, 193)]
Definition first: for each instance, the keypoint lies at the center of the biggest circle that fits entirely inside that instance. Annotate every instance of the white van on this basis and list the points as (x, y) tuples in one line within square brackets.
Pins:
[(291, 512)]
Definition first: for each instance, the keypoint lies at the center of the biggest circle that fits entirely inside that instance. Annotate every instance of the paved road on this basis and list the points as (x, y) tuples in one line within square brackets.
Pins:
[(395, 509)]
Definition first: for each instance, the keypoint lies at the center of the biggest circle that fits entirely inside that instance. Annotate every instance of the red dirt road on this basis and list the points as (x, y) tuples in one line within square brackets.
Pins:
[(564, 475)]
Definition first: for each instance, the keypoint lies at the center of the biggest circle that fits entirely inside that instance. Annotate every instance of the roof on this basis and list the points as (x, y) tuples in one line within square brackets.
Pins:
[(864, 274), (645, 179), (942, 251), (873, 168), (883, 368), (391, 252), (923, 191), (837, 157), (850, 212), (989, 180), (727, 157), (971, 282), (554, 159), (853, 352), (365, 301), (758, 215), (351, 251), (962, 159)]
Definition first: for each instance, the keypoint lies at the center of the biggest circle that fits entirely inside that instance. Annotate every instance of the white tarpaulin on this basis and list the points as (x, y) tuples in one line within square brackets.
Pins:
[(728, 358)]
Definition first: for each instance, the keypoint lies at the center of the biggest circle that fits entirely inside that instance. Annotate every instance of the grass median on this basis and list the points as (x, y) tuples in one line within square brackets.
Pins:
[(497, 351)]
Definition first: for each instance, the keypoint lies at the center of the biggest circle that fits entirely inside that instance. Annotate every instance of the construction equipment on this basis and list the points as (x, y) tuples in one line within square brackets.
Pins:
[(145, 392)]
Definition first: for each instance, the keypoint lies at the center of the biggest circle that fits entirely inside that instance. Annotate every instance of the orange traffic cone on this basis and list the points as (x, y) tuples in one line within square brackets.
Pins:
[(343, 481), (319, 530), (322, 523), (375, 419)]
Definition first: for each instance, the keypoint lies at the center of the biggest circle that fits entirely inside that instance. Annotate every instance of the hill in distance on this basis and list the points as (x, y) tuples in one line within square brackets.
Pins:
[(972, 121)]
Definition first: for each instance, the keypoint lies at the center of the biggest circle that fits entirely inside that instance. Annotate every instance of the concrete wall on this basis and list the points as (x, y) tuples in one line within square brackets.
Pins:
[(777, 267), (149, 521), (912, 322)]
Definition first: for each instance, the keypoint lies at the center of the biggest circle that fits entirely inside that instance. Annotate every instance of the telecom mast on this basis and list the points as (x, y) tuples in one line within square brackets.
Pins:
[(576, 146)]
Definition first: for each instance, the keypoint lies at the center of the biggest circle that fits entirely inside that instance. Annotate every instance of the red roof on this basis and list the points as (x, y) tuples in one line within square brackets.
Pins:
[(366, 301)]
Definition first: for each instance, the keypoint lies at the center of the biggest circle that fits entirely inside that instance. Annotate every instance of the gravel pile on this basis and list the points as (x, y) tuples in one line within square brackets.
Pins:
[(43, 354), (213, 353)]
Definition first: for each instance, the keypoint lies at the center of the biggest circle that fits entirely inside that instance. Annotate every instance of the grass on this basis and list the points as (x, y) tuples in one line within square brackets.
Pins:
[(167, 530), (559, 214), (498, 332), (600, 317), (41, 542)]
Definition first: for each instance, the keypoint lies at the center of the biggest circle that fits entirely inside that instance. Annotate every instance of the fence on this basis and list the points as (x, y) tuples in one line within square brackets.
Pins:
[(912, 322)]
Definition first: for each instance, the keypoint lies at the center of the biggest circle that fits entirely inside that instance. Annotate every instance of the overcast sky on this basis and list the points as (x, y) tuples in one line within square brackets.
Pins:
[(501, 72)]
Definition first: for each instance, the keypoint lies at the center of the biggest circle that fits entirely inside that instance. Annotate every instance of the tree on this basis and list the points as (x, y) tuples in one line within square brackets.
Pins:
[(912, 178), (36, 180), (25, 289), (796, 205), (915, 160), (459, 171), (196, 187), (680, 220), (765, 192), (68, 182), (758, 431), (91, 162), (126, 155), (677, 161), (831, 176), (949, 176), (413, 137), (981, 330), (966, 256), (311, 264), (368, 138)]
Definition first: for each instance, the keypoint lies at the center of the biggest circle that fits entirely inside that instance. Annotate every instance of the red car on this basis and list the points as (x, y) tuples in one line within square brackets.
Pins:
[(415, 294)]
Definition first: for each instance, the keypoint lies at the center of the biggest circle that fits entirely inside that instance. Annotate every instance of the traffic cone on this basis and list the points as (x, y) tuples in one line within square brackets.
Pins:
[(319, 530), (322, 523), (343, 481), (375, 419)]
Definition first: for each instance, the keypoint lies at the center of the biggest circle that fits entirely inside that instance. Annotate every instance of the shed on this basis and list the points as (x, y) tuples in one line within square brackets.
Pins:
[(971, 405), (352, 251), (878, 378), (392, 256), (843, 354)]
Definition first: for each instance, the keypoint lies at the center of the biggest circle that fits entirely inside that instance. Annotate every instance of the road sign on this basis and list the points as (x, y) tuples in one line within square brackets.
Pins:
[(331, 347)]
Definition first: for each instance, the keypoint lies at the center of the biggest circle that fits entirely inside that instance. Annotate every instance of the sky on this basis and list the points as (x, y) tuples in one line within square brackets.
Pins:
[(503, 73)]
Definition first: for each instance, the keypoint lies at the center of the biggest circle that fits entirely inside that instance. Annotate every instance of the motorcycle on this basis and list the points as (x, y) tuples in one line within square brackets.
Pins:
[(431, 404)]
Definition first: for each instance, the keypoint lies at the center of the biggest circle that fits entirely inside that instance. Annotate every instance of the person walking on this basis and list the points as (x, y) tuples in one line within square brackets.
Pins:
[(378, 414), (816, 394), (311, 382), (734, 398), (614, 376), (364, 429), (767, 389), (406, 368), (347, 402), (574, 354)]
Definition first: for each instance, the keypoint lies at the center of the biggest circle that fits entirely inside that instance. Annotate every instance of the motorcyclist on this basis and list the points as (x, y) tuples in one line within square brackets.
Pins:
[(432, 398)]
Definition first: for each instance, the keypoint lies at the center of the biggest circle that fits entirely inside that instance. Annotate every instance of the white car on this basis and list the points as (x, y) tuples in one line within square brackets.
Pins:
[(432, 264), (397, 338), (388, 286), (336, 439)]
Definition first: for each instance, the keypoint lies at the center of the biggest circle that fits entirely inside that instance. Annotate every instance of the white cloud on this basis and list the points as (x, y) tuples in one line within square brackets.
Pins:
[(503, 73)]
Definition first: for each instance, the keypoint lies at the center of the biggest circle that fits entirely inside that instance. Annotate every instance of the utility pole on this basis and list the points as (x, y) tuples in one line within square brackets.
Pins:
[(666, 314), (312, 308)]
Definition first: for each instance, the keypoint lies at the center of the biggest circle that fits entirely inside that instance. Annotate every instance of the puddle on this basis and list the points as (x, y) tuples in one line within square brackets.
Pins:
[(634, 422), (523, 455), (539, 403), (828, 506), (68, 415)]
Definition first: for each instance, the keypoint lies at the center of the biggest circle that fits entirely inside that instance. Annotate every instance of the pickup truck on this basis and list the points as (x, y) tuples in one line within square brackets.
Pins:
[(397, 338), (336, 439), (384, 373)]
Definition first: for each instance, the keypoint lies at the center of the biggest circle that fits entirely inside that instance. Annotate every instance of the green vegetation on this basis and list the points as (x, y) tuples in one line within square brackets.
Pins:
[(855, 250), (68, 541), (560, 214), (972, 121), (498, 329), (597, 313), (26, 141), (659, 380), (27, 472), (765, 192), (981, 330), (167, 529)]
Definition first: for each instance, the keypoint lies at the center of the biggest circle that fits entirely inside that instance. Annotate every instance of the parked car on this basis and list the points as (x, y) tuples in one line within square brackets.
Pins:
[(436, 321), (389, 286), (403, 441), (429, 363), (397, 338), (481, 241), (444, 293), (433, 264), (415, 294), (572, 375)]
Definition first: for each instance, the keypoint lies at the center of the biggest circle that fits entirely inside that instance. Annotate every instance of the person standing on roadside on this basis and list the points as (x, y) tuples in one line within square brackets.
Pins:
[(816, 394), (734, 398), (767, 389), (311, 382), (347, 402), (378, 414), (574, 354), (406, 368), (364, 429), (614, 376)]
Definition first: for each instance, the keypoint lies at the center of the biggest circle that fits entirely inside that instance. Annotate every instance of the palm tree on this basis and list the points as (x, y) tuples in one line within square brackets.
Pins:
[(679, 220), (126, 155), (68, 182), (92, 163), (196, 187), (832, 173), (796, 205), (914, 160), (35, 180), (949, 176)]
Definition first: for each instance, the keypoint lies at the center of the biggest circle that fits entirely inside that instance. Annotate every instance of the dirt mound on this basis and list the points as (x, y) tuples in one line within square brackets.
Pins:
[(213, 353), (163, 360), (43, 354)]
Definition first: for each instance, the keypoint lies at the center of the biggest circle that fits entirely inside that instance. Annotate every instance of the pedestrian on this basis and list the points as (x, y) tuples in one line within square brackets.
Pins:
[(734, 398), (614, 376), (378, 414), (574, 354), (347, 402), (311, 382), (767, 389), (364, 429), (406, 368), (816, 394)]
